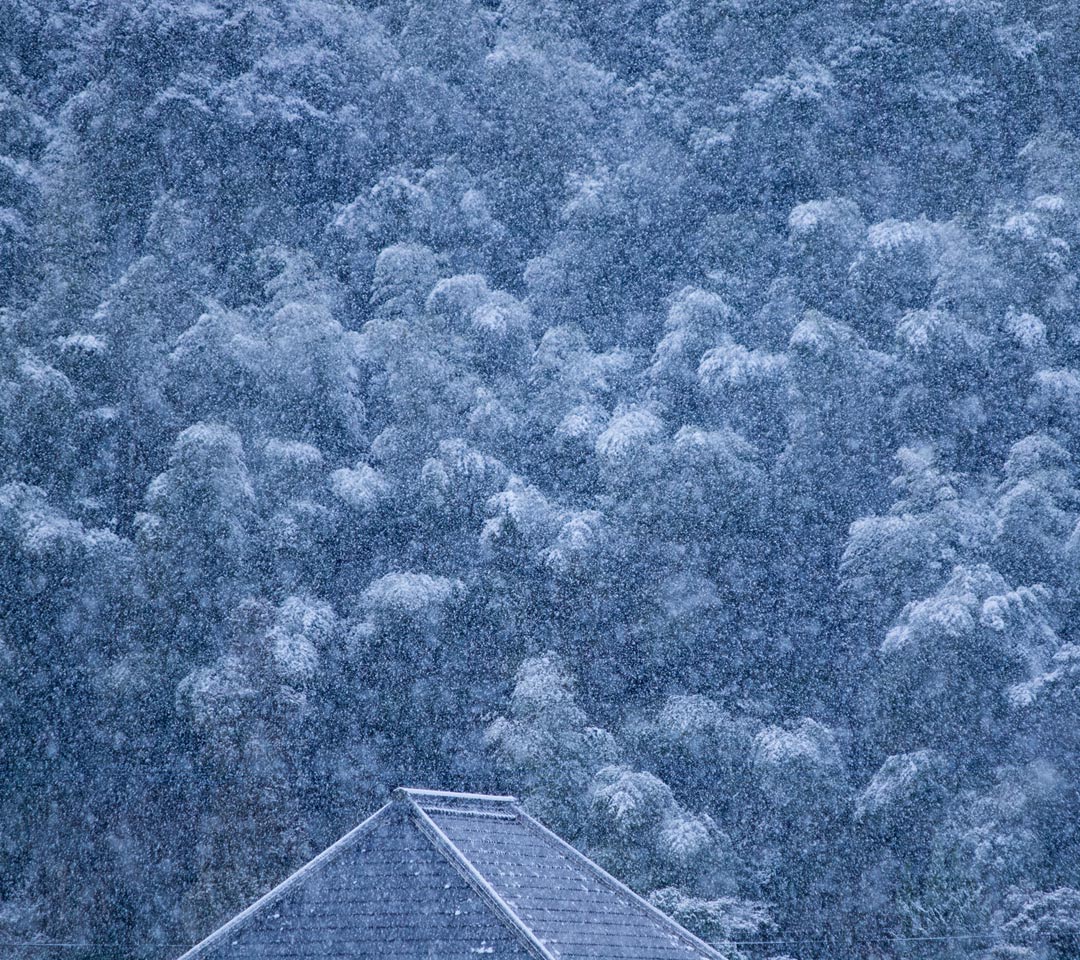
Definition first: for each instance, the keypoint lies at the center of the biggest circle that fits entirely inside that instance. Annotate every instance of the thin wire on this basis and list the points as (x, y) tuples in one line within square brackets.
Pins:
[(841, 939), (54, 944), (60, 945), (101, 951), (738, 943)]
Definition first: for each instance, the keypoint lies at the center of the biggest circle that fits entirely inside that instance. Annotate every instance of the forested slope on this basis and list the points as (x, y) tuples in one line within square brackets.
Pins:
[(664, 410)]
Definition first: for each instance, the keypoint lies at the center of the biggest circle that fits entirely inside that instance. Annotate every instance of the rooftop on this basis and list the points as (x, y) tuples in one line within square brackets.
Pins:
[(445, 875)]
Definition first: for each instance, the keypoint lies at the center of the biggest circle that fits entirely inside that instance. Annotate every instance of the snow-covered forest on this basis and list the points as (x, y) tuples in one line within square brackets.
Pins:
[(666, 411)]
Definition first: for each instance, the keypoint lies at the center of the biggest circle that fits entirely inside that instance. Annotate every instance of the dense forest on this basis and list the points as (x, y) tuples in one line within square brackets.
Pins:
[(666, 411)]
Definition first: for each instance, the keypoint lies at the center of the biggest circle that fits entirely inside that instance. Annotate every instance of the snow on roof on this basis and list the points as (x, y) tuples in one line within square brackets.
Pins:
[(435, 874)]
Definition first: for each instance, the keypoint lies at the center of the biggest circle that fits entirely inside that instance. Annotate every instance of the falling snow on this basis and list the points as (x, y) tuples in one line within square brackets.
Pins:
[(664, 411)]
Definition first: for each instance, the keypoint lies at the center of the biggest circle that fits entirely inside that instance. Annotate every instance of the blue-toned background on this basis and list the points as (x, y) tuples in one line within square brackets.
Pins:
[(663, 410)]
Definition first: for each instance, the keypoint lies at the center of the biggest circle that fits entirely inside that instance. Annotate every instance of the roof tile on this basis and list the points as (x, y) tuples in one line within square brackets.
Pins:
[(455, 877)]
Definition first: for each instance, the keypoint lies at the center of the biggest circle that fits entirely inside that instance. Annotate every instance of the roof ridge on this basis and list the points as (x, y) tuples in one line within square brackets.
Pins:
[(275, 893), (476, 879), (618, 886), (455, 795)]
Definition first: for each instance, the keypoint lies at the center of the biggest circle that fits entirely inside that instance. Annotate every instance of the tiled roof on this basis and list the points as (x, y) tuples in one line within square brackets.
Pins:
[(455, 877)]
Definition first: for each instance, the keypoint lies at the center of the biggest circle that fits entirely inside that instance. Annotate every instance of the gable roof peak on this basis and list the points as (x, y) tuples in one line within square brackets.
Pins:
[(467, 856), (424, 795), (462, 804)]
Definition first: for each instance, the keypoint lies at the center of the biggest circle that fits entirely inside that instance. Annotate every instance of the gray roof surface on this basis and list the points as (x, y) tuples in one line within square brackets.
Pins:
[(455, 877)]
